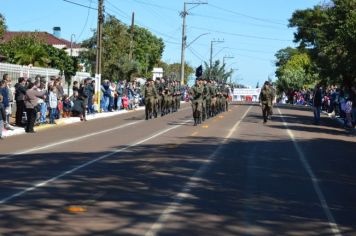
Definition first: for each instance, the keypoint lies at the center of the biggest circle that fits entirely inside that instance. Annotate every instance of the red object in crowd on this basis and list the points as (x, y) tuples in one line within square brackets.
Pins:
[(125, 102), (248, 98)]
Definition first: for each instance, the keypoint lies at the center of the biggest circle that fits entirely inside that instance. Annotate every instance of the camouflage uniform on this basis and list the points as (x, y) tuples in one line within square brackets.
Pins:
[(197, 100), (265, 98), (150, 95)]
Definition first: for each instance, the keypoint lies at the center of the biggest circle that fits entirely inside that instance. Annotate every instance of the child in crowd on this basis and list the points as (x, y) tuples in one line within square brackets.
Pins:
[(53, 104), (67, 106), (125, 102), (2, 116)]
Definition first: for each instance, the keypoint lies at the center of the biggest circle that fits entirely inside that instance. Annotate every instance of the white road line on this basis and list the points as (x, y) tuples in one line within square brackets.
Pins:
[(332, 223), (192, 182), (69, 140), (45, 183)]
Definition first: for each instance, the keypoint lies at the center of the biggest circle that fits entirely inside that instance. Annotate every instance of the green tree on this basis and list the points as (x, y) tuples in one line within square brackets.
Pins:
[(25, 50), (2, 25), (116, 46), (294, 74), (148, 49), (173, 71), (60, 60), (216, 72), (328, 32), (28, 49)]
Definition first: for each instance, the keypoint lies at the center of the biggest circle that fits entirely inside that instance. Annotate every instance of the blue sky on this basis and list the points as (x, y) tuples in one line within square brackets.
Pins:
[(252, 30)]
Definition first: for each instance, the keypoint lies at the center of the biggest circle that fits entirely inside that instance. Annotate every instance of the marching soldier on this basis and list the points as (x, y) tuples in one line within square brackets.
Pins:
[(179, 94), (208, 98), (196, 93), (213, 94), (206, 94), (265, 98), (158, 101), (150, 95)]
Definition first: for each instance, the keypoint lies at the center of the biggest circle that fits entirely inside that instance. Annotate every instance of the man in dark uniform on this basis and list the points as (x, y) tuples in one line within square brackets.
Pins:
[(213, 94), (208, 98), (150, 95), (158, 100), (196, 94), (265, 98)]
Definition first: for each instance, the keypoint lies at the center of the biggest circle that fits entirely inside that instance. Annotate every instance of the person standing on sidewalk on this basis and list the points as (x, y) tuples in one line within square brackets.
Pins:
[(2, 116), (6, 102), (31, 101), (20, 92), (120, 92), (53, 103), (317, 102)]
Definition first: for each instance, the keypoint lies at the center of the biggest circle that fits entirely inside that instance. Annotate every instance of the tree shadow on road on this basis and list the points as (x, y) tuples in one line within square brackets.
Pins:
[(246, 188)]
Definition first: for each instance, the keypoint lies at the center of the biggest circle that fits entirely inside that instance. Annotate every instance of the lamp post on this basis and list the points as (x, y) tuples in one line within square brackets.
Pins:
[(71, 44), (183, 14), (227, 57), (211, 54)]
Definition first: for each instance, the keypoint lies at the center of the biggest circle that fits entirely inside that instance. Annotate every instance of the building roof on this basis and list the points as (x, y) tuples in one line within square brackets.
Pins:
[(50, 39)]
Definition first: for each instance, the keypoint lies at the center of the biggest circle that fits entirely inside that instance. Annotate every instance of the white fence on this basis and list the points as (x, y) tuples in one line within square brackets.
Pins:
[(16, 71)]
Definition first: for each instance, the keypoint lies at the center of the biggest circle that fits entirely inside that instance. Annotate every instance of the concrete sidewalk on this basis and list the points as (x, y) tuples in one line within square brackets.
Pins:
[(66, 121)]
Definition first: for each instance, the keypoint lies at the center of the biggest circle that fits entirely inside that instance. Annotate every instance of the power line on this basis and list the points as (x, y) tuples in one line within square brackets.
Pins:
[(155, 5), (86, 22), (234, 20), (140, 23), (246, 16), (78, 4), (241, 35), (196, 54)]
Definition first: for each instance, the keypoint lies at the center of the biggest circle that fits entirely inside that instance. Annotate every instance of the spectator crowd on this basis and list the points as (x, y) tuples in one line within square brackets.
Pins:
[(337, 102), (38, 101)]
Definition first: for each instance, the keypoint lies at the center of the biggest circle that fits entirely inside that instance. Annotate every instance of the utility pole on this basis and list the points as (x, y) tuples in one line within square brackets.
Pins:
[(183, 14), (71, 55), (211, 53), (132, 35), (99, 39), (99, 48)]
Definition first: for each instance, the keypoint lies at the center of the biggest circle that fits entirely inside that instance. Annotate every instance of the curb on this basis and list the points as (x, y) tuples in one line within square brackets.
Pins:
[(339, 120), (67, 121)]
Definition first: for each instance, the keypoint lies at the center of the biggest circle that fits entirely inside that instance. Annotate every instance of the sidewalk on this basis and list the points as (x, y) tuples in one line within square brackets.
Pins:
[(66, 121), (338, 119)]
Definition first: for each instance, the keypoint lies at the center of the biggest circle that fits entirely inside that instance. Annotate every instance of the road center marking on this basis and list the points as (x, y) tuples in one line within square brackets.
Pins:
[(115, 151), (172, 208), (332, 223), (69, 140)]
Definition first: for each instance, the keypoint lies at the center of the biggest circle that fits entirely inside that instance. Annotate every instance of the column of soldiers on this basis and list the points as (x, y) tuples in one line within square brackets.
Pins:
[(162, 96), (208, 98)]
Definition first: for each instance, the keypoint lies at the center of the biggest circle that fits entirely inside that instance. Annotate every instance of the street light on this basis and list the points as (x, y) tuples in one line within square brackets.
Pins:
[(183, 14), (227, 57), (196, 39), (71, 44), (211, 50)]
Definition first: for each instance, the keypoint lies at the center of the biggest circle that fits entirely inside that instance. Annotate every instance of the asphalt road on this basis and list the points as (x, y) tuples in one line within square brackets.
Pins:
[(231, 175)]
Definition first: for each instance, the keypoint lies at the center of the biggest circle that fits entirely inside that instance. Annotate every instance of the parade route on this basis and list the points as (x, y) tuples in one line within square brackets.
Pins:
[(231, 175)]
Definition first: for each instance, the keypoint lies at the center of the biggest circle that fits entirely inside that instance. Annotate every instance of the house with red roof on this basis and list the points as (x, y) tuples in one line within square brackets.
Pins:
[(71, 48)]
